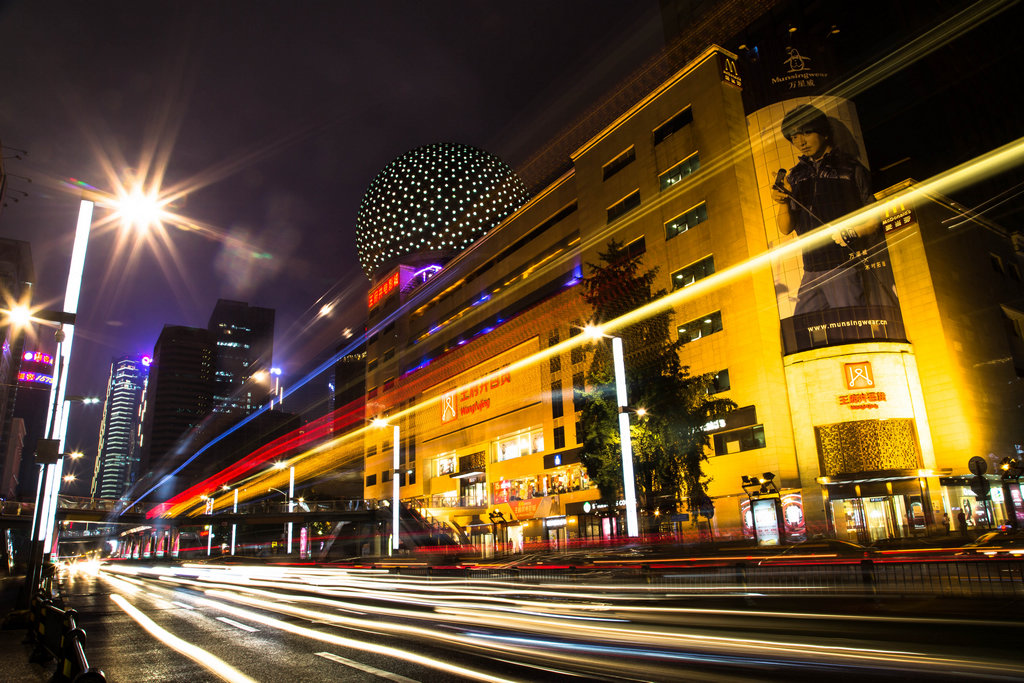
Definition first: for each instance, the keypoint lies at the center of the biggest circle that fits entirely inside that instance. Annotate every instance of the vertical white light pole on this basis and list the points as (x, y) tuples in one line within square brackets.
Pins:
[(628, 478), (234, 509), (56, 415), (291, 503), (394, 495), (276, 373)]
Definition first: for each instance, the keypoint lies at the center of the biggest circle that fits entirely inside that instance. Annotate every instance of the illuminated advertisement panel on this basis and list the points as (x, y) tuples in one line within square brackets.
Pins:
[(811, 171)]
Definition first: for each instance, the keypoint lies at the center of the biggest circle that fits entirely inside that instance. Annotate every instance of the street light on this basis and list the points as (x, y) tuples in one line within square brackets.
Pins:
[(291, 496), (628, 477), (381, 423), (56, 418)]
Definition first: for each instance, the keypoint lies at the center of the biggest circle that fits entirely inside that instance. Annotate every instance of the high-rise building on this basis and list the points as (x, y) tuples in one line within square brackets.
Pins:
[(16, 278), (35, 379), (177, 396), (119, 428), (243, 341)]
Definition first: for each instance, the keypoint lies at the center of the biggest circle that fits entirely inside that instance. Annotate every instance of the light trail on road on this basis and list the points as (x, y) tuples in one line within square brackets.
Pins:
[(609, 632)]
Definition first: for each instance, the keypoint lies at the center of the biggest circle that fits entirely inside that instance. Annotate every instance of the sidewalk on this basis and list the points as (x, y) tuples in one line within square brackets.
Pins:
[(13, 653)]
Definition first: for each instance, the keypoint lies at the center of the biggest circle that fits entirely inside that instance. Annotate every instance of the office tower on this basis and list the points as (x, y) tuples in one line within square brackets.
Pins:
[(177, 396), (243, 344), (113, 472)]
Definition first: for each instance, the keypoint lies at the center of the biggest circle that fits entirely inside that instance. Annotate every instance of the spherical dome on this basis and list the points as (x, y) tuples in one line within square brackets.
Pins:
[(433, 202)]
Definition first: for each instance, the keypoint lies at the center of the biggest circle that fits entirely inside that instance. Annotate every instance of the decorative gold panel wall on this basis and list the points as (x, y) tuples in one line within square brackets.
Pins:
[(868, 446)]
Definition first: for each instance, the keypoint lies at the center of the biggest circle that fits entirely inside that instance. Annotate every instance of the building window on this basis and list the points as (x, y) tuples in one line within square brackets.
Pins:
[(684, 277), (624, 205), (559, 437), (371, 479), (372, 393), (370, 366), (721, 382), (556, 400), (579, 432), (686, 220), (385, 476), (679, 171), (739, 440), (553, 338), (410, 476), (446, 465), (700, 327), (389, 354), (578, 390), (677, 122), (618, 163), (516, 445), (637, 247), (554, 364), (997, 264)]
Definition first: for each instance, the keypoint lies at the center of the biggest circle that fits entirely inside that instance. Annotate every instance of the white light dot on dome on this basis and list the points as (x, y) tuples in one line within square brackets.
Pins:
[(451, 182)]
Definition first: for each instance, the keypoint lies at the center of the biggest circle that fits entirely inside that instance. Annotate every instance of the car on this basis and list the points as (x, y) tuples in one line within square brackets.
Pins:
[(996, 543)]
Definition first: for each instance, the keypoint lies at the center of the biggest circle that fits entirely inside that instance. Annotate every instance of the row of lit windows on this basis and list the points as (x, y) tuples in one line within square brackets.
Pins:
[(700, 327)]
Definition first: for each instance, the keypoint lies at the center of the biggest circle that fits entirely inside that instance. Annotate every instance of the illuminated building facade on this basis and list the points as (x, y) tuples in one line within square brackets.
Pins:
[(35, 379), (243, 339), (865, 412), (119, 429)]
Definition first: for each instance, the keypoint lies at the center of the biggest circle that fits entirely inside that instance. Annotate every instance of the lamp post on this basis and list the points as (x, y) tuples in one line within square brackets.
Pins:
[(395, 502), (276, 374), (56, 418), (234, 510), (628, 476), (290, 496)]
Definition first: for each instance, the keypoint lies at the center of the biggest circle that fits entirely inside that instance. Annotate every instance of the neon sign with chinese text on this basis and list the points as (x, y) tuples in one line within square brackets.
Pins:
[(383, 289)]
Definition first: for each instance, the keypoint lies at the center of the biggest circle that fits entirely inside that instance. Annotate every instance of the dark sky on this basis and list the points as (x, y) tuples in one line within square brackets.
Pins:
[(284, 112)]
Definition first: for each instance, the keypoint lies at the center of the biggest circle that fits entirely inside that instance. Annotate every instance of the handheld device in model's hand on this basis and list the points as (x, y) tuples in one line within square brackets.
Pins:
[(779, 178)]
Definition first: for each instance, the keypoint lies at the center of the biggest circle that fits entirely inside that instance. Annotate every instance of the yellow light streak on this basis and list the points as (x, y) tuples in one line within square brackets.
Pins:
[(200, 656)]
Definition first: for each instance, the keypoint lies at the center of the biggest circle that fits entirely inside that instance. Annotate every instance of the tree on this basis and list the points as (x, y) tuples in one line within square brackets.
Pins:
[(669, 442)]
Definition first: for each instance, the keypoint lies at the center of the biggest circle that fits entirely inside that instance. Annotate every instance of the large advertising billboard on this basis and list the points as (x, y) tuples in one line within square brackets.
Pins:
[(811, 172)]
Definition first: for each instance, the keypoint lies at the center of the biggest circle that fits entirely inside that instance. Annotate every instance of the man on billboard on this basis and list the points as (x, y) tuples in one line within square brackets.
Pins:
[(825, 184)]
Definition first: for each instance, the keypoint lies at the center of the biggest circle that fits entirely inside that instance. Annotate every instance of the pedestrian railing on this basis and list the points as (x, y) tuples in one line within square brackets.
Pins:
[(57, 636), (966, 578)]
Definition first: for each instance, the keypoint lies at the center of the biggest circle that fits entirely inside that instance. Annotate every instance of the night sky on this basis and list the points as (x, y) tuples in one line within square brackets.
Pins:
[(283, 116)]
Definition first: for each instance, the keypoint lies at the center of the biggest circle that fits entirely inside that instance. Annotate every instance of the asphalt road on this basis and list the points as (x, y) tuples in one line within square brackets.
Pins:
[(211, 623)]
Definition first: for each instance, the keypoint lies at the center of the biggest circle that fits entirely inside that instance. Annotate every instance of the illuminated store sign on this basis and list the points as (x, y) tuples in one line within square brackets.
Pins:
[(858, 375), (38, 357), (896, 215), (35, 377), (383, 289), (869, 399), (473, 399)]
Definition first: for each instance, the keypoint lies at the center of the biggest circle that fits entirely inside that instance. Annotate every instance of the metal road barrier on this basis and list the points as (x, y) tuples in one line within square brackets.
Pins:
[(56, 636), (959, 578)]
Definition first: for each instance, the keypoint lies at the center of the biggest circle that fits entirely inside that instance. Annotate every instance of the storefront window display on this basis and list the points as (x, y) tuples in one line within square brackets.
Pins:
[(863, 520), (563, 480), (445, 464), (518, 444)]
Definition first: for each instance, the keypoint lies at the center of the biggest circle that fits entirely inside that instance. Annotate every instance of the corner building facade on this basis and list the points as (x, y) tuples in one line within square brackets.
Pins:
[(865, 417)]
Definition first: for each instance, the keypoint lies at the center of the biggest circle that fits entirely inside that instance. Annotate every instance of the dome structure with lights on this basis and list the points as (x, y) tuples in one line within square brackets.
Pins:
[(431, 203)]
